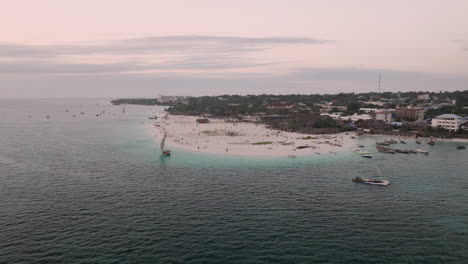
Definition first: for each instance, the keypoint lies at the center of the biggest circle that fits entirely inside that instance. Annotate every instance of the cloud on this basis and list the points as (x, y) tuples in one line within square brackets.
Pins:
[(303, 80), (166, 53), (187, 44), (462, 42), (45, 67)]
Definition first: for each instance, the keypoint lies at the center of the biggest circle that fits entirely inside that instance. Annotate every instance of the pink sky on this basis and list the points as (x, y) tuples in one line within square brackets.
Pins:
[(139, 48)]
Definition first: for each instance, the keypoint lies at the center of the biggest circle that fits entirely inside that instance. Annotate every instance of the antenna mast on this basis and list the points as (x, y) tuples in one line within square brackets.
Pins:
[(379, 82)]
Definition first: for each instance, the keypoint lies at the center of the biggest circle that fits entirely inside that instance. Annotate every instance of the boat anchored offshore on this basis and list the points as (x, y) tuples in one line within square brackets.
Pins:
[(461, 147), (423, 151), (371, 181)]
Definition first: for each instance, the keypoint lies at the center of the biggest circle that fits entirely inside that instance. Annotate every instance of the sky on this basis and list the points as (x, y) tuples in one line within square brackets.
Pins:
[(143, 48)]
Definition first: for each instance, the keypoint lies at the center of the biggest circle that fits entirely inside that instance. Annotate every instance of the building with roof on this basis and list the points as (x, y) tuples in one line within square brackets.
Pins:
[(410, 113), (386, 116), (448, 121), (423, 97), (464, 125)]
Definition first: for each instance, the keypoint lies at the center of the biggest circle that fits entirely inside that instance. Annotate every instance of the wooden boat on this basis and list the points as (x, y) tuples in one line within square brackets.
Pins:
[(371, 181), (423, 151), (165, 152), (431, 142), (385, 149), (383, 143), (362, 152), (461, 147)]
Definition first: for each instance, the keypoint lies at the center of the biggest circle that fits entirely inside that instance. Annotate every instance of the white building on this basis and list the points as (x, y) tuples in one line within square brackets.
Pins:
[(423, 97), (379, 103), (448, 121), (385, 116), (357, 117), (353, 118)]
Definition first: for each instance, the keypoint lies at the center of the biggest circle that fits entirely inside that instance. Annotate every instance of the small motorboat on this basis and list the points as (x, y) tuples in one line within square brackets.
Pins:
[(461, 147), (418, 142), (362, 152), (166, 153), (369, 156), (383, 143), (371, 181), (423, 151), (431, 142), (361, 146), (292, 156)]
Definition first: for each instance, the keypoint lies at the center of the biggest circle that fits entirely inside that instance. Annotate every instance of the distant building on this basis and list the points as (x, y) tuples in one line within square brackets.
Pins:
[(423, 97), (353, 118), (464, 126), (385, 116), (325, 108), (379, 103), (410, 113), (203, 121), (280, 105), (369, 110), (171, 98), (448, 121)]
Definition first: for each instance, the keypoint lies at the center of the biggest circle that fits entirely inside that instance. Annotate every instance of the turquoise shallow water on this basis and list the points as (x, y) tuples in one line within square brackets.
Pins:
[(95, 190)]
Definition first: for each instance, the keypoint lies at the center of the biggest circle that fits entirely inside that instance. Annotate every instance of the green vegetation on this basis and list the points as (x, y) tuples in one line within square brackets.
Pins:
[(455, 109), (262, 143), (301, 113), (136, 101)]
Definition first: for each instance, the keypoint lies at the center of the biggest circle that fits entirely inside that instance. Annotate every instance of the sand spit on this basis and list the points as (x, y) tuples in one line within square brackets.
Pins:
[(246, 139)]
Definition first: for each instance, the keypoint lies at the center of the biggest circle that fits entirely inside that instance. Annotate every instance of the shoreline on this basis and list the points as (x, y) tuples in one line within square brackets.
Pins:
[(244, 139), (459, 140)]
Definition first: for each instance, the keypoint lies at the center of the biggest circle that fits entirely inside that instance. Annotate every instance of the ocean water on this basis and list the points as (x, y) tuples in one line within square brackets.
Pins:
[(90, 189)]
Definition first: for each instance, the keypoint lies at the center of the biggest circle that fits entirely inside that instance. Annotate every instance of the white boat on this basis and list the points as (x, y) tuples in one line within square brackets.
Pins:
[(369, 156), (362, 152), (422, 151)]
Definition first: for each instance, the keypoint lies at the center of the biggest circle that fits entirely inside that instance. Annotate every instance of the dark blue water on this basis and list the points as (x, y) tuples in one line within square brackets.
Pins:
[(90, 189)]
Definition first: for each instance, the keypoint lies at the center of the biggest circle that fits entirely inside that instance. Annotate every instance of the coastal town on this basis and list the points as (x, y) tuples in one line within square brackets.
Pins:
[(422, 114), (294, 125)]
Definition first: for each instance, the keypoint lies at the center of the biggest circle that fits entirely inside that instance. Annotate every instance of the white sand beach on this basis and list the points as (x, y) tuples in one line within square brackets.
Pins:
[(246, 139)]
